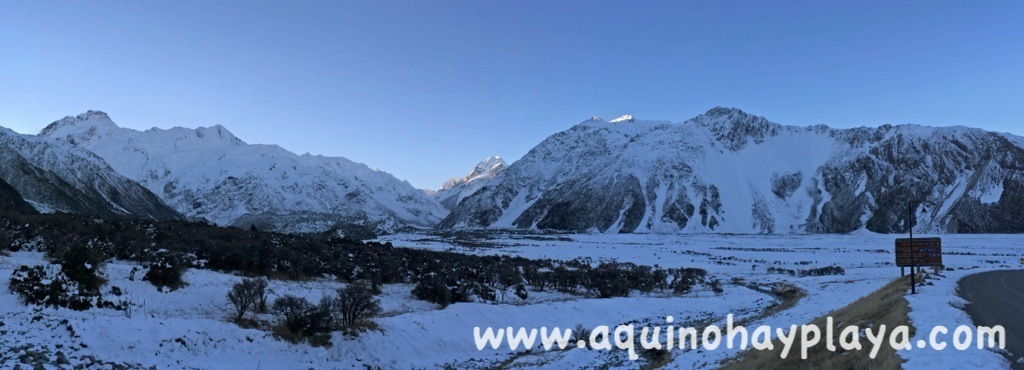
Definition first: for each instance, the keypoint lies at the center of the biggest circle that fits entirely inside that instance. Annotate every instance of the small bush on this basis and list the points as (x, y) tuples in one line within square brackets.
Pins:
[(244, 297), (581, 332), (434, 290), (684, 279), (48, 286), (303, 321), (521, 292), (293, 311), (607, 281), (823, 271), (779, 270), (323, 318), (166, 271), (261, 294), (716, 286), (355, 302), (82, 264)]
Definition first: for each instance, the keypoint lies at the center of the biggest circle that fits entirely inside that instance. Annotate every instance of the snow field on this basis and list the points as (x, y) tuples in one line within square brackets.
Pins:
[(189, 328)]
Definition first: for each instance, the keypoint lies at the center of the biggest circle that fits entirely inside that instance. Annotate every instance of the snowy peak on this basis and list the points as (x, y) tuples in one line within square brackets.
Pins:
[(87, 126), (735, 128), (57, 177), (718, 112), (90, 120), (454, 190), (209, 173), (489, 168), (217, 133), (623, 118), (485, 170)]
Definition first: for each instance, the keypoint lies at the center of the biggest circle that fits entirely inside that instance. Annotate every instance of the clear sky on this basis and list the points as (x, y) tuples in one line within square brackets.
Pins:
[(425, 89)]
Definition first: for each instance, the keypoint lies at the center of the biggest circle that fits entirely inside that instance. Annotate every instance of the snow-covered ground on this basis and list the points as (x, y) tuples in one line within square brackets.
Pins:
[(939, 305), (867, 258), (189, 328)]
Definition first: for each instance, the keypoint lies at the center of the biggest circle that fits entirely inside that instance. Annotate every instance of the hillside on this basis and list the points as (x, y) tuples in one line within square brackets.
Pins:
[(208, 173), (727, 171), (53, 177)]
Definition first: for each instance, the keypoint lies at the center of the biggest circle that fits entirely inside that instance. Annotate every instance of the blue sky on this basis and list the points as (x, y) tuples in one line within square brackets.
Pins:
[(425, 89)]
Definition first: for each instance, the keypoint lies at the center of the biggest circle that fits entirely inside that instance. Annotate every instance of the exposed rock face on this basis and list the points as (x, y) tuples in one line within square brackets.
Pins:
[(52, 177), (731, 172), (456, 189)]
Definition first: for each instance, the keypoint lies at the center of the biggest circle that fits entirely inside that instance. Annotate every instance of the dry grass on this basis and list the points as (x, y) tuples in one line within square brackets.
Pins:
[(886, 306)]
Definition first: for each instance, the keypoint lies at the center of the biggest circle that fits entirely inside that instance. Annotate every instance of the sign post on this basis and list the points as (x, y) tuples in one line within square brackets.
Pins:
[(913, 274), (916, 253)]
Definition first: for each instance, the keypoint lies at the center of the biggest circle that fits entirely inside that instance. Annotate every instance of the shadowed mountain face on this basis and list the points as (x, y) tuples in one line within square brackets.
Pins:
[(730, 172), (58, 178), (11, 201)]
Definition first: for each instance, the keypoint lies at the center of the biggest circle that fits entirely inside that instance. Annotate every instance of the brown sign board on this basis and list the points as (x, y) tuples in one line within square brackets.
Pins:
[(925, 252)]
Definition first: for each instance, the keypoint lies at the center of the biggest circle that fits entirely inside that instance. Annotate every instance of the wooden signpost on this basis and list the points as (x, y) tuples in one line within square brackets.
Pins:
[(918, 252)]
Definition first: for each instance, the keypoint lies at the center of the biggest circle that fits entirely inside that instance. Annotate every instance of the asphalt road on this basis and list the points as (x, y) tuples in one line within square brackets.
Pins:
[(997, 298)]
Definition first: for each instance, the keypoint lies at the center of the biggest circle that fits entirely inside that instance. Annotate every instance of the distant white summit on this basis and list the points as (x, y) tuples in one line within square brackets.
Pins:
[(486, 169), (624, 118), (90, 120), (455, 189)]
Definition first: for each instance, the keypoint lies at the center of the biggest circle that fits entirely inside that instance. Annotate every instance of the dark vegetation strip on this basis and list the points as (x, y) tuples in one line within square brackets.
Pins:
[(167, 248)]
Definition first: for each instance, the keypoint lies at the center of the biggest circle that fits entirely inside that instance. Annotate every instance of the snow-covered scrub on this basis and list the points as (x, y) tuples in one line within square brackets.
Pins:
[(867, 260), (192, 326)]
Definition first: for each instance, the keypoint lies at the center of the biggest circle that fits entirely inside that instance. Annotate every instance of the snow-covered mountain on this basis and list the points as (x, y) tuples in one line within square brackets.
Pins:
[(455, 189), (209, 173), (61, 178), (727, 171)]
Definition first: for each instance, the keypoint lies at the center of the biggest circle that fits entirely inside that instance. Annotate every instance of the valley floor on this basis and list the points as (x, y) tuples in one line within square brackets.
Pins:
[(189, 328)]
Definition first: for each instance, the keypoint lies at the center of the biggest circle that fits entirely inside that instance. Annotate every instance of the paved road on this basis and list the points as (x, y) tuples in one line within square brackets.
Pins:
[(997, 298)]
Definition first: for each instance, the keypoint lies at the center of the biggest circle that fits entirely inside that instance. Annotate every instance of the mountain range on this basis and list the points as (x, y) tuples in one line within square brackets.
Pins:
[(727, 171), (724, 171), (60, 178), (208, 173)]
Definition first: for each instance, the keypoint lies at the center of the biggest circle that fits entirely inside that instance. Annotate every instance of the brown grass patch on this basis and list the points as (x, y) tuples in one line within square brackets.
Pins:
[(886, 306)]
